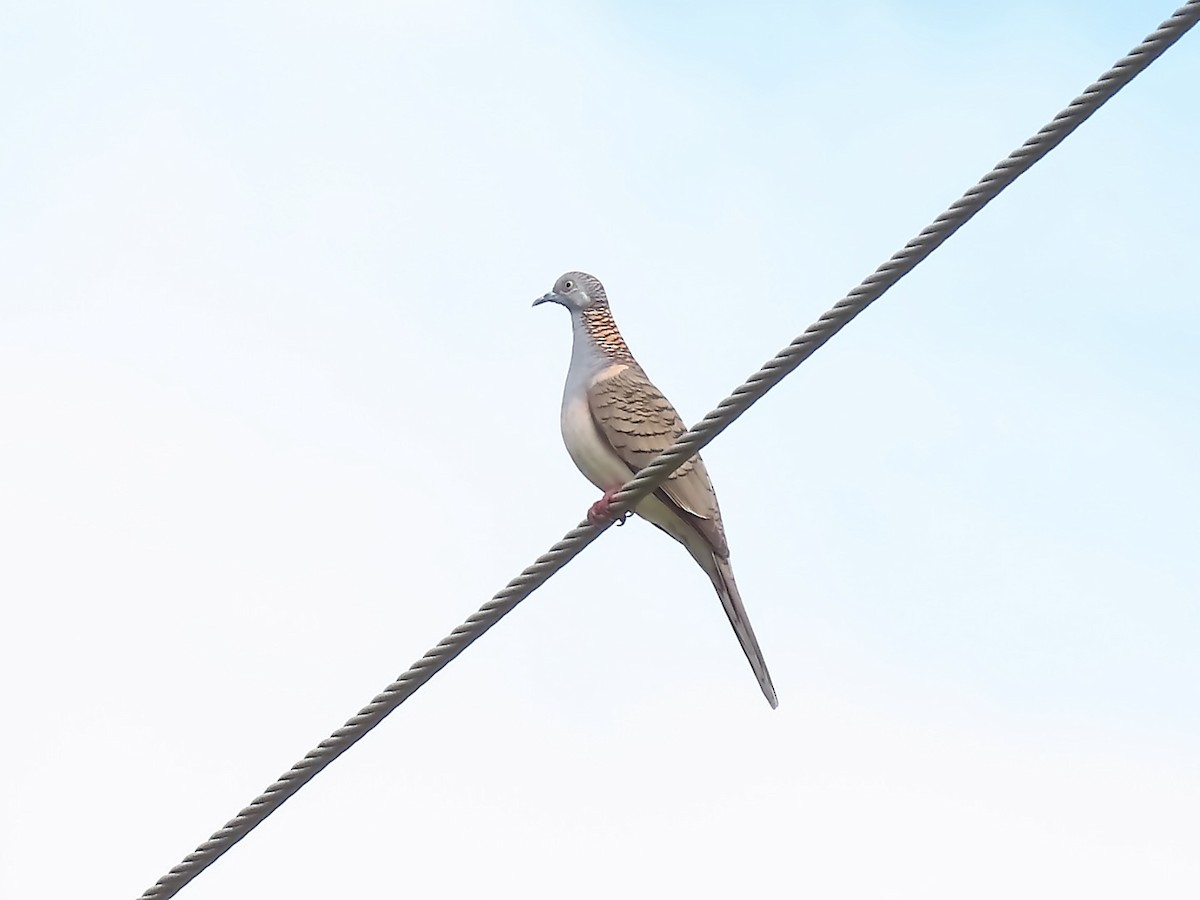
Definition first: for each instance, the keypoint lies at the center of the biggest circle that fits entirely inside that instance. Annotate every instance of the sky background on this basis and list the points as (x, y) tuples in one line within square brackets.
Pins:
[(277, 416)]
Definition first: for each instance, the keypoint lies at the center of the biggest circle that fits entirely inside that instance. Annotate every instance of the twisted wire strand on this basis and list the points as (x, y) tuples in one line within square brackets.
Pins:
[(755, 387)]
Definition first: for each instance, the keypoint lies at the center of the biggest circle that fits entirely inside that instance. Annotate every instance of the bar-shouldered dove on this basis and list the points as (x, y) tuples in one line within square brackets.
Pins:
[(615, 422)]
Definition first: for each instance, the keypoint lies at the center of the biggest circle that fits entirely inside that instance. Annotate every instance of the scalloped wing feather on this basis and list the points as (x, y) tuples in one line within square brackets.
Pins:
[(639, 423)]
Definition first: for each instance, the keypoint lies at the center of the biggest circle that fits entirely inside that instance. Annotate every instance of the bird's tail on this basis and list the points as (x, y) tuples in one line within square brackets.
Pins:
[(722, 579)]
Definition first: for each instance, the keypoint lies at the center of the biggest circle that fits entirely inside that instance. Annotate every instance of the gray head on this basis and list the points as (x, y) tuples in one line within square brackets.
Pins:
[(576, 291)]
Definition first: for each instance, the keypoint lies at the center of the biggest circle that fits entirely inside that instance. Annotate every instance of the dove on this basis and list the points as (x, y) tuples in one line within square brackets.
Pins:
[(615, 422)]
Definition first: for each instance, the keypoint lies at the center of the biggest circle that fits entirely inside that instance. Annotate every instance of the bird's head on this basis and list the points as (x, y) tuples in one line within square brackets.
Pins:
[(576, 291)]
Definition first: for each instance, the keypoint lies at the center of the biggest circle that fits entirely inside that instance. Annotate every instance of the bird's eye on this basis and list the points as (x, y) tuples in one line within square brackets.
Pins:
[(568, 285)]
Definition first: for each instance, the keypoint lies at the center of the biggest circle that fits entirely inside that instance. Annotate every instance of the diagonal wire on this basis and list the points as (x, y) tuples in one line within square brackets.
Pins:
[(873, 287)]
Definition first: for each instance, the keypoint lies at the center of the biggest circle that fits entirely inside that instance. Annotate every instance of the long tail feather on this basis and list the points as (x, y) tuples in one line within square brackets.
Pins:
[(732, 601)]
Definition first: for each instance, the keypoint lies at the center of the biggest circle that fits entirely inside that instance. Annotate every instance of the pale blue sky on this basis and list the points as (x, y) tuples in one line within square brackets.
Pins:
[(278, 416)]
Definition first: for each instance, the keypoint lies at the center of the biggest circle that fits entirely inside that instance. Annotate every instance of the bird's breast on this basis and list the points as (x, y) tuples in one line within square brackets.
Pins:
[(589, 449)]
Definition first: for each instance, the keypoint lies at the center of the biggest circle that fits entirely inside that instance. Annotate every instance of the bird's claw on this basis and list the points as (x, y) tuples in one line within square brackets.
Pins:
[(599, 513)]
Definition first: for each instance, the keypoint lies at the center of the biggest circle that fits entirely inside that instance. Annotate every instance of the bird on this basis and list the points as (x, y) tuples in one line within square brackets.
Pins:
[(615, 422)]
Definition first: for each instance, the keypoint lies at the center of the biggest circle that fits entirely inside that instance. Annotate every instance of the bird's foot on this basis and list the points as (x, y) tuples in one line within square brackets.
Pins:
[(599, 513)]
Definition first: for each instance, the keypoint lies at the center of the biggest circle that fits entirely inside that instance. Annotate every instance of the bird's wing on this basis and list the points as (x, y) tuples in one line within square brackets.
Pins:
[(639, 423)]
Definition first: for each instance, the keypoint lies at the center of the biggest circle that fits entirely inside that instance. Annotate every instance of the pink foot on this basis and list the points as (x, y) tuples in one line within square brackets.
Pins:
[(599, 513)]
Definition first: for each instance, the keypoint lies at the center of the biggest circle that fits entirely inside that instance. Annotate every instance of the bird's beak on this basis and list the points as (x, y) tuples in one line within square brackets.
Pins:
[(551, 297)]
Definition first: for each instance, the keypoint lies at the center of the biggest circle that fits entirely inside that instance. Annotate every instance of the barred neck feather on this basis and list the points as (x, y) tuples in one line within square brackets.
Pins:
[(598, 323)]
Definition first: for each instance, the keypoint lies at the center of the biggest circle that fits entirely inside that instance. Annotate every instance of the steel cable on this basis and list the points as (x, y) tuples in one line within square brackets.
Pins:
[(786, 361)]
